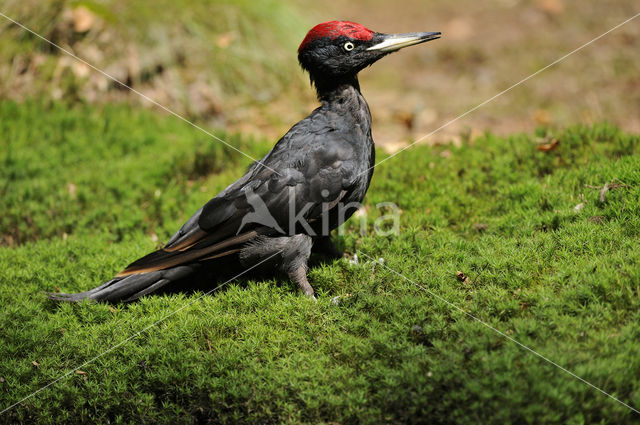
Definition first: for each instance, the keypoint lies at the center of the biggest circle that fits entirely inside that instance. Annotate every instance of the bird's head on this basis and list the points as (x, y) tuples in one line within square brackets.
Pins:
[(336, 49)]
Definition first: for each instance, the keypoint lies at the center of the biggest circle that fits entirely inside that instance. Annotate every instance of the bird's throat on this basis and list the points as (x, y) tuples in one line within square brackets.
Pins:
[(332, 88)]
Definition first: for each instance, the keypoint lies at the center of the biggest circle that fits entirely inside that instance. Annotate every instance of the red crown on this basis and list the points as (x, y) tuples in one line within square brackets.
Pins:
[(334, 29)]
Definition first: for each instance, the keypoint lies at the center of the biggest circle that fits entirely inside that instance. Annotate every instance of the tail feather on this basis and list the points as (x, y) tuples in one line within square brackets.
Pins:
[(59, 296), (164, 260), (131, 287), (149, 289), (126, 287)]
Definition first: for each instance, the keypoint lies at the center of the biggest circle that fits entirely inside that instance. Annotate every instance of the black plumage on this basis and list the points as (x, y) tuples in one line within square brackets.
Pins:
[(312, 180)]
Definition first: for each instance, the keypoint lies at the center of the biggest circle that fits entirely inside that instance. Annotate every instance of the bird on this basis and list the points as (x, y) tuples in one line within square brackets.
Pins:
[(286, 204)]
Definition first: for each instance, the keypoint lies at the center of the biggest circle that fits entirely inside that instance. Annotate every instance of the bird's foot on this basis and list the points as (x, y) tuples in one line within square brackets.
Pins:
[(299, 276)]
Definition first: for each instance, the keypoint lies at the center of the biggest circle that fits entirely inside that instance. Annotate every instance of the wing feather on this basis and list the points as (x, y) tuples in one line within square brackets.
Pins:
[(315, 168)]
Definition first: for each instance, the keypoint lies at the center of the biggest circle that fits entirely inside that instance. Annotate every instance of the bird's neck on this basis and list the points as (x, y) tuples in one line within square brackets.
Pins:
[(342, 96), (335, 89)]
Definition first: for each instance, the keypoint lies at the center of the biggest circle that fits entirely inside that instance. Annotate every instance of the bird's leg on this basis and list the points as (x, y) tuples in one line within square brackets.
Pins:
[(299, 276), (325, 246), (294, 252), (295, 257)]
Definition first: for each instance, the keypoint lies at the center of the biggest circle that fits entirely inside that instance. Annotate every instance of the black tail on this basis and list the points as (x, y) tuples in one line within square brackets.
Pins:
[(130, 288)]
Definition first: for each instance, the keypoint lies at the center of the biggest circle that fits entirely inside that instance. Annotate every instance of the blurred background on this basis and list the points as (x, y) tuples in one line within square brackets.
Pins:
[(232, 64)]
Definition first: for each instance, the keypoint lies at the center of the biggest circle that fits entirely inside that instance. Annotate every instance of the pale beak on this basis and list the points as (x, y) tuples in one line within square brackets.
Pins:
[(393, 42)]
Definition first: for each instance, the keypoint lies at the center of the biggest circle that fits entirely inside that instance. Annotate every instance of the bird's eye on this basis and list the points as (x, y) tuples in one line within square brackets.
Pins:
[(348, 46)]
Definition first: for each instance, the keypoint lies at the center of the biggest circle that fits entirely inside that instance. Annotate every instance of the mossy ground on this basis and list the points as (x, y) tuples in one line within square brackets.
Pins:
[(86, 190)]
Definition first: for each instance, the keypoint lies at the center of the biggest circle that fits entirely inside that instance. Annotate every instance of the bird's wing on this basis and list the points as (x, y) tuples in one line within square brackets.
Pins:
[(313, 170), (193, 243)]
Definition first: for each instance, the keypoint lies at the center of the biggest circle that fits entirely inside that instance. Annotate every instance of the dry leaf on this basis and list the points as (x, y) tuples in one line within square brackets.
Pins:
[(35, 363), (548, 146), (462, 277), (82, 373)]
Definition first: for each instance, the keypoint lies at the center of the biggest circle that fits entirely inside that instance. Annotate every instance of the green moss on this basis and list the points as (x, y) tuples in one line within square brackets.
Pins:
[(564, 282)]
